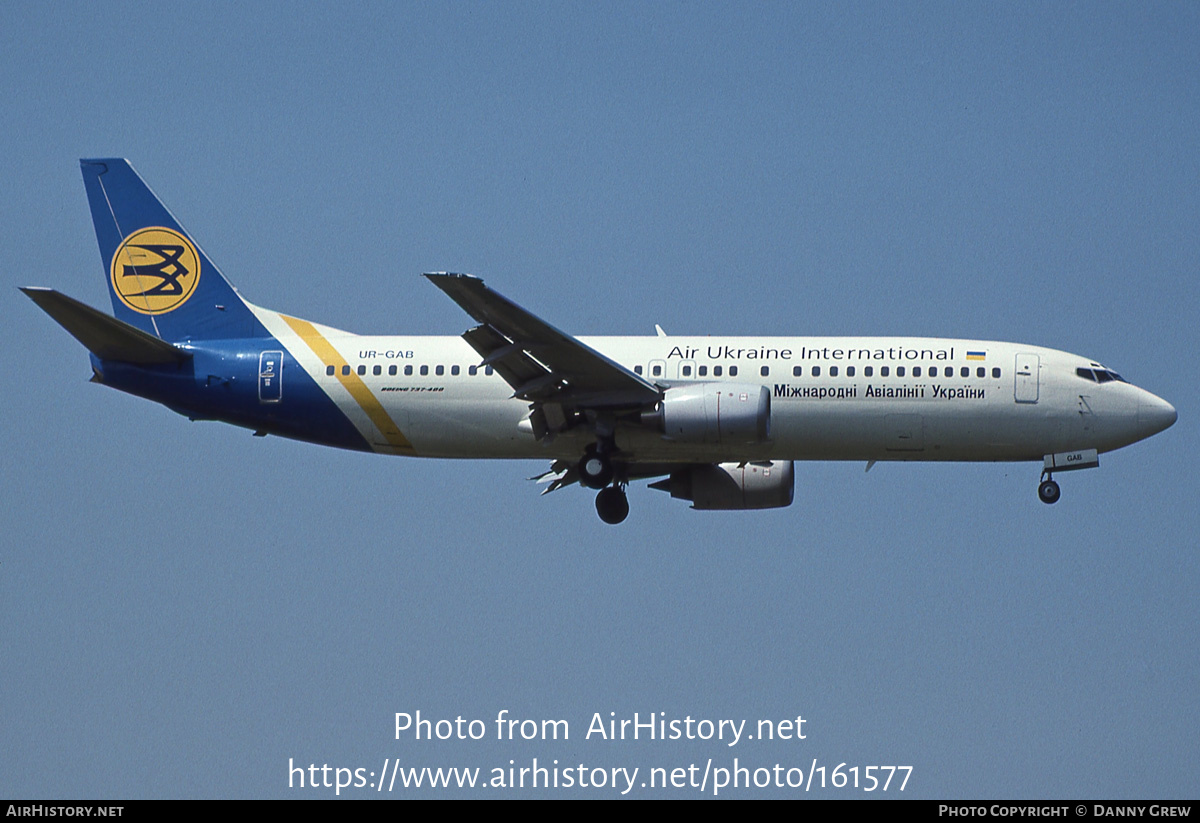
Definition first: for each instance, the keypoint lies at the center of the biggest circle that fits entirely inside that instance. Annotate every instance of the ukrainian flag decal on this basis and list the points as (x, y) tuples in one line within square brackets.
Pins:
[(976, 355)]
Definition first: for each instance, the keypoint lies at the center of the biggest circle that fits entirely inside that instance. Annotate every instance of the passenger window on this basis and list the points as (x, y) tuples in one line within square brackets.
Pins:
[(362, 370), (637, 369), (392, 371), (329, 371), (440, 370), (687, 371), (797, 371), (995, 372), (966, 371), (764, 371), (408, 371), (424, 370), (816, 371), (703, 371), (454, 370), (849, 371), (716, 371), (473, 370), (899, 371), (657, 370), (733, 371), (917, 371), (868, 370), (345, 369), (883, 371), (833, 371), (488, 370), (378, 370), (981, 372)]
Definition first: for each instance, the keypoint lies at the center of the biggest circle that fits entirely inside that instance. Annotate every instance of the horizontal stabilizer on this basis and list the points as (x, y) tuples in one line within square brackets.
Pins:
[(104, 336)]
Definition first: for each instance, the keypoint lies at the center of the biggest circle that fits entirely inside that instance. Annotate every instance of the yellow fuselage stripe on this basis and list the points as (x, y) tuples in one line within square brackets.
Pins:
[(354, 384)]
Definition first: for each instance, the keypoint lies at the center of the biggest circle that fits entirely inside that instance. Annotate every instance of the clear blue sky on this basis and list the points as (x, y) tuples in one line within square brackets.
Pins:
[(183, 607)]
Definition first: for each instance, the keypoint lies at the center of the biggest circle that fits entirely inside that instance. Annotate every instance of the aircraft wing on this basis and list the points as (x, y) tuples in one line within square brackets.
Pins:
[(541, 363)]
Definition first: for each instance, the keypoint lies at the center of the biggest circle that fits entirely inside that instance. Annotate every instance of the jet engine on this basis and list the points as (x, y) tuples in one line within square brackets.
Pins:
[(767, 485), (714, 413)]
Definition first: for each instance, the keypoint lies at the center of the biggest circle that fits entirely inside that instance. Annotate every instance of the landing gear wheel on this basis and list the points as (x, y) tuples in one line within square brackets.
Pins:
[(1049, 492), (595, 469), (612, 505)]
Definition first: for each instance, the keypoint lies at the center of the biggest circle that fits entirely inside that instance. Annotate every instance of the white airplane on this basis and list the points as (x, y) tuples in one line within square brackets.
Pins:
[(720, 419)]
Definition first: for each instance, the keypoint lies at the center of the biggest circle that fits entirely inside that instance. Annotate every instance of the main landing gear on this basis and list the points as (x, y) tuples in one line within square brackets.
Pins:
[(612, 505), (596, 472), (595, 469)]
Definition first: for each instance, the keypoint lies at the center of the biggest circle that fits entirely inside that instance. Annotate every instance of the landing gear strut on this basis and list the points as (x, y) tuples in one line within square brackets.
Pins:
[(612, 505), (1048, 490)]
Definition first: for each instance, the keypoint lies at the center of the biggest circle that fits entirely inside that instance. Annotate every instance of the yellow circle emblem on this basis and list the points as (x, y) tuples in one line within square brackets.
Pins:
[(155, 270)]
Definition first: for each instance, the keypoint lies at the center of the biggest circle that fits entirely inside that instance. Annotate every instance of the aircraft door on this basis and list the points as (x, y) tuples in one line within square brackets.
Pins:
[(1026, 388), (270, 377)]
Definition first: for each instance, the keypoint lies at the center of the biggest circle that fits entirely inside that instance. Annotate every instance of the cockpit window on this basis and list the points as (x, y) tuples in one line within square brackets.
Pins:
[(1099, 375)]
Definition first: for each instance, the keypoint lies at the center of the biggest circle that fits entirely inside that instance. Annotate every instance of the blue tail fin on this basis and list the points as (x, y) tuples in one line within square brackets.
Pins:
[(159, 279)]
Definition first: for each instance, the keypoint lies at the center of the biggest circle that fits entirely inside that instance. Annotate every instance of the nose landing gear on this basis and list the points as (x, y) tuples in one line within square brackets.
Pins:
[(1048, 490)]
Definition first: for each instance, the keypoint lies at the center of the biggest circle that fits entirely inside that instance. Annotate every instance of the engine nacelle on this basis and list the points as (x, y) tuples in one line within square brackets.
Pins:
[(715, 413), (769, 485)]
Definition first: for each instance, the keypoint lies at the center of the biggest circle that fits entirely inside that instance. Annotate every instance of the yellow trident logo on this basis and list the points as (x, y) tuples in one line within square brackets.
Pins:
[(155, 270)]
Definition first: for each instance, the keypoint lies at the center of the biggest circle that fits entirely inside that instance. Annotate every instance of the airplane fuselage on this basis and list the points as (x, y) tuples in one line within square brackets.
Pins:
[(830, 398), (721, 419)]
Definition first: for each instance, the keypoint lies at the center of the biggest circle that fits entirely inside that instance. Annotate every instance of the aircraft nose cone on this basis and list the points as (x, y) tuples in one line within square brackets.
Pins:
[(1155, 414)]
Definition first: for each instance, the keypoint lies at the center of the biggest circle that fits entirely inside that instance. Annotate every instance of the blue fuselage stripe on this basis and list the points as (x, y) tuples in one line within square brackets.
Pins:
[(254, 383)]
